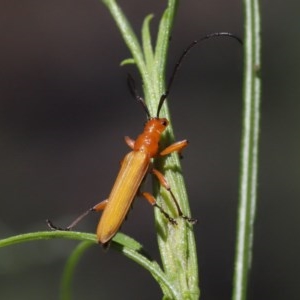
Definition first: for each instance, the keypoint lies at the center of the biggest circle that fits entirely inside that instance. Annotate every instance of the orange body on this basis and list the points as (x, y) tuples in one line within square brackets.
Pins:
[(131, 174), (134, 168)]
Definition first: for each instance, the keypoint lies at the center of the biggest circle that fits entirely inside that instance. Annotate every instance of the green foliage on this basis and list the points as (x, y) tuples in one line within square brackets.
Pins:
[(178, 278)]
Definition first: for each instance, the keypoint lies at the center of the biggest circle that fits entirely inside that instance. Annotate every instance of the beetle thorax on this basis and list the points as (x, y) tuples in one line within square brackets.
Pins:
[(148, 141)]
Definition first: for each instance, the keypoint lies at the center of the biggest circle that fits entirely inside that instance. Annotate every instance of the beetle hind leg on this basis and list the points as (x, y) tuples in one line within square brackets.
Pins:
[(98, 207)]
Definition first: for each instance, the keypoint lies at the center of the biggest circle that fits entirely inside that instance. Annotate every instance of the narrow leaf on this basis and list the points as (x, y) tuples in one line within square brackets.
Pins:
[(147, 43), (249, 151)]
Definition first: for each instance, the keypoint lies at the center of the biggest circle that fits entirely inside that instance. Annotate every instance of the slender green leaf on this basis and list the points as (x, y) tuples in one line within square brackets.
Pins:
[(249, 151), (163, 41), (147, 43), (68, 274), (127, 61), (128, 35)]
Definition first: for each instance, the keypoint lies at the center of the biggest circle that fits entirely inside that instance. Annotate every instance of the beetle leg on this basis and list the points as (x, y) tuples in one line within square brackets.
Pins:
[(98, 207), (163, 181), (129, 141), (176, 147), (152, 201)]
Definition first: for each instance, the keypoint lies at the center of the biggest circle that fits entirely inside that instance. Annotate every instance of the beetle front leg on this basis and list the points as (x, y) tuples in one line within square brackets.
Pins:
[(175, 147)]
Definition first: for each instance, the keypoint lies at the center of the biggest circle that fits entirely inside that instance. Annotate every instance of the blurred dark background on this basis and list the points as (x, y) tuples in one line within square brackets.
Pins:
[(65, 108)]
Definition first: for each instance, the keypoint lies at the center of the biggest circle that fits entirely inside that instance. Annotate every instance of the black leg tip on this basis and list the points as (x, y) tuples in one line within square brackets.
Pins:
[(53, 227)]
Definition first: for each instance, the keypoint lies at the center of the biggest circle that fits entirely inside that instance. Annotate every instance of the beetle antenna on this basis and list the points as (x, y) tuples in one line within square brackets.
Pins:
[(183, 55), (134, 93)]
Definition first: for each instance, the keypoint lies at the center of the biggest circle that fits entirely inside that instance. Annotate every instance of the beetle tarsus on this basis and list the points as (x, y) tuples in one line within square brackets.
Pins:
[(54, 227)]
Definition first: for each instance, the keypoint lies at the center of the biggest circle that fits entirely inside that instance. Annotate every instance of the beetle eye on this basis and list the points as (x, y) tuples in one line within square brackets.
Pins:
[(164, 123)]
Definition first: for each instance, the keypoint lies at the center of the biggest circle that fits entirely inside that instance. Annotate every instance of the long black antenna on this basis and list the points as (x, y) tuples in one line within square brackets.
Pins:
[(183, 55), (134, 93)]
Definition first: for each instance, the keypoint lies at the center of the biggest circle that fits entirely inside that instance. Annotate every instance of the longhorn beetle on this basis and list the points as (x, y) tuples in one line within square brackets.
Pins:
[(137, 163)]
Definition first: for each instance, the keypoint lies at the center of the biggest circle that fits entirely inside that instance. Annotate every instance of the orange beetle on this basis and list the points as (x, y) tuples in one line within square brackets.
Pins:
[(134, 167), (136, 164)]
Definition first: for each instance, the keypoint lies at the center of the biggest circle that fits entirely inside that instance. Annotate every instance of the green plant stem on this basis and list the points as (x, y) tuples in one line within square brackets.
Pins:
[(68, 274), (122, 243), (249, 151), (177, 244)]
